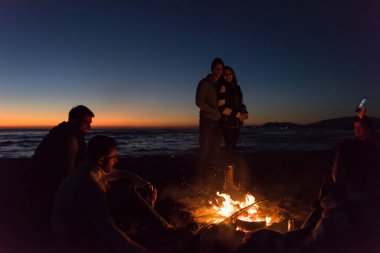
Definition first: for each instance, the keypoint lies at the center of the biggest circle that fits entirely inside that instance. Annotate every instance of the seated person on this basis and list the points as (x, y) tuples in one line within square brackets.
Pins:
[(345, 219), (60, 151), (349, 210), (81, 216)]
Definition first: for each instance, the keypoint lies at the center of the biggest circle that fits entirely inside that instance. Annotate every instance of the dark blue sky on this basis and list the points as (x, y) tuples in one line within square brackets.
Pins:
[(139, 62)]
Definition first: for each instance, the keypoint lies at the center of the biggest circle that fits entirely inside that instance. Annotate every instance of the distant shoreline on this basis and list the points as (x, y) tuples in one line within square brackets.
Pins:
[(339, 123)]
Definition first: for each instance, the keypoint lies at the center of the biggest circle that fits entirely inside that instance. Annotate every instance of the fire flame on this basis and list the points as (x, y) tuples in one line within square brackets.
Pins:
[(228, 207), (222, 207)]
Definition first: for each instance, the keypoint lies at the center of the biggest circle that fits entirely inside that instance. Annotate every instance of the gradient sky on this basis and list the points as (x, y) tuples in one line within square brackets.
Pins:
[(137, 63)]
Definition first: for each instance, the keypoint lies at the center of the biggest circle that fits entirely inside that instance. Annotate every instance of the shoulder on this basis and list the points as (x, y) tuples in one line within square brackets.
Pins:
[(205, 81)]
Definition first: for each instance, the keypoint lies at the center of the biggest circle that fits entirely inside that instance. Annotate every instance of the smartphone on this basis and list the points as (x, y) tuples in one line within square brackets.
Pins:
[(361, 104)]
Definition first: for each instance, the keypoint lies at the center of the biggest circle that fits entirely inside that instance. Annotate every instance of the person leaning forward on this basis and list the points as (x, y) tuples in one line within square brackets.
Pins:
[(82, 216), (56, 156), (209, 116)]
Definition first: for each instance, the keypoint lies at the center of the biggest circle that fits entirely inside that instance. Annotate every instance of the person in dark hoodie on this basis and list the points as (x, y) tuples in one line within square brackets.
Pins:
[(209, 116), (233, 110), (60, 151)]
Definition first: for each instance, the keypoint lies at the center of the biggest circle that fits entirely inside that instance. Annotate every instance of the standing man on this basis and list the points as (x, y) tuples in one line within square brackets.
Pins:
[(209, 116), (60, 151)]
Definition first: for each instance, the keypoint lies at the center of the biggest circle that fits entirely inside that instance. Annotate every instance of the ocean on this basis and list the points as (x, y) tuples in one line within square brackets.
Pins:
[(17, 143)]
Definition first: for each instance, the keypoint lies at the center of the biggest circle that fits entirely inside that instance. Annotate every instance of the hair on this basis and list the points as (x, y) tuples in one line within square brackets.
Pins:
[(234, 80), (100, 146), (80, 111), (215, 62)]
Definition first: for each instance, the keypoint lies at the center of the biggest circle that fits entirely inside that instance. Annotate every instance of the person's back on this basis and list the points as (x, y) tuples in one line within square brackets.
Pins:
[(72, 213), (60, 151), (350, 211)]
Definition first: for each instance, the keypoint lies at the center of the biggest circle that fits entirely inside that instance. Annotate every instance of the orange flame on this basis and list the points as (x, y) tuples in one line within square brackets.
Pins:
[(223, 206)]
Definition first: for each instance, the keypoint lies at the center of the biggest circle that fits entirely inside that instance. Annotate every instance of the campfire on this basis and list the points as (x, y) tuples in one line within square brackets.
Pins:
[(242, 210), (245, 213), (223, 219)]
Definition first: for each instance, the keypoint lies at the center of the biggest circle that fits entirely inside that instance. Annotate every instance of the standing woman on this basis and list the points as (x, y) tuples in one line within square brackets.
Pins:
[(234, 112)]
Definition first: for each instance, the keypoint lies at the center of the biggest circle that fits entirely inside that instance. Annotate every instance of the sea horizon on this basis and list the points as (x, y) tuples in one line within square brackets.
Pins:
[(337, 122), (15, 143)]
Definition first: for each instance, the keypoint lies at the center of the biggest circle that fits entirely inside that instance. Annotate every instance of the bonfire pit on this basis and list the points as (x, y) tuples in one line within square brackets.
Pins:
[(245, 214), (223, 221)]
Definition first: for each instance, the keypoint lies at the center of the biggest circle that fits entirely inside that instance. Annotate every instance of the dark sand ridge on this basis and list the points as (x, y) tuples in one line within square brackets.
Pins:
[(292, 178)]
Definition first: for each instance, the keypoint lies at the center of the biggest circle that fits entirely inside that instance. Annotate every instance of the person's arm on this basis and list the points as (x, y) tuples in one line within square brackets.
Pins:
[(200, 99), (228, 108), (95, 208), (135, 180), (130, 177)]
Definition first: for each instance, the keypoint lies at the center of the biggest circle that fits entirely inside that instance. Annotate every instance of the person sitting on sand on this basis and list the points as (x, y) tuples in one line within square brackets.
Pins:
[(56, 156), (81, 215), (347, 218)]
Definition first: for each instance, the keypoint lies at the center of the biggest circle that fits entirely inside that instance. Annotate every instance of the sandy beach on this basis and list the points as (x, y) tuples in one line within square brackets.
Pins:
[(292, 178)]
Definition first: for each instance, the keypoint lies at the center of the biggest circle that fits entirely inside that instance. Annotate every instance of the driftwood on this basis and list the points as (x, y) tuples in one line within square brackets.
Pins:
[(236, 215)]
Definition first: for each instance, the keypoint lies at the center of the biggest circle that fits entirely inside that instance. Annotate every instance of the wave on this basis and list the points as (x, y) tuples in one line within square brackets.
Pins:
[(140, 142)]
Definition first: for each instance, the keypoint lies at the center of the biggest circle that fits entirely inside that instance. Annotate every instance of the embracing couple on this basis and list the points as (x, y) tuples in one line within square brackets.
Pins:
[(222, 113)]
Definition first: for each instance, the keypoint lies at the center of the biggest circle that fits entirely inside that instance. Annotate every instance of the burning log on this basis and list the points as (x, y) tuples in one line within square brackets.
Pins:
[(250, 225), (235, 215)]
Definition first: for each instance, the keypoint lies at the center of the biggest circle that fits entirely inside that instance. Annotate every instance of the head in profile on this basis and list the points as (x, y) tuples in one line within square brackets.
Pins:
[(217, 67), (102, 152), (80, 117)]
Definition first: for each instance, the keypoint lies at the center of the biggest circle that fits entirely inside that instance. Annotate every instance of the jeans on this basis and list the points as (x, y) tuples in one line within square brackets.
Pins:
[(231, 136), (209, 144)]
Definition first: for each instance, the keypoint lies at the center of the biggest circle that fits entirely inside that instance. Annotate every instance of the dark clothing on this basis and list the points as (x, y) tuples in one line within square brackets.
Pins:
[(209, 143), (346, 215), (55, 157), (230, 102), (209, 130), (59, 152), (206, 99), (82, 213), (230, 97), (230, 136)]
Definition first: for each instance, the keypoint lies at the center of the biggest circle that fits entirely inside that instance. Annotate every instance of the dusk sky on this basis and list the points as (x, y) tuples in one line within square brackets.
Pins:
[(137, 63)]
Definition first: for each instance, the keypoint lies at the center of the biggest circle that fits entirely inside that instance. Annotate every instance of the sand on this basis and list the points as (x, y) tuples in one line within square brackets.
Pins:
[(292, 178)]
